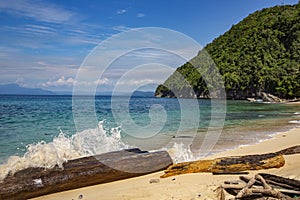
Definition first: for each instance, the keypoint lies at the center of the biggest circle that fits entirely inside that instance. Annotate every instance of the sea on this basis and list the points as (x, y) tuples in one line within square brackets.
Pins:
[(44, 131)]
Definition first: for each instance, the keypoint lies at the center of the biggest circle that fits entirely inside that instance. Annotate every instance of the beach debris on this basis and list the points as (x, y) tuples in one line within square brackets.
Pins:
[(227, 164), (262, 186), (281, 181), (80, 196), (233, 164), (229, 173), (220, 193), (290, 151), (81, 172), (155, 180)]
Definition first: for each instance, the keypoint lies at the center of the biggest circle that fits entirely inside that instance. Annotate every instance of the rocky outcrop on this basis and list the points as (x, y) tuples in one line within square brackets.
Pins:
[(271, 98)]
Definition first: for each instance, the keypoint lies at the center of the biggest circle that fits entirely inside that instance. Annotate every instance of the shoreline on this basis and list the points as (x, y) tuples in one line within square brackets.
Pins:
[(189, 186), (254, 134)]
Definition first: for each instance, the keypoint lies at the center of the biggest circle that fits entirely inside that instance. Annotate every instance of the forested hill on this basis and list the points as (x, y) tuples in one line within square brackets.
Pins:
[(259, 54)]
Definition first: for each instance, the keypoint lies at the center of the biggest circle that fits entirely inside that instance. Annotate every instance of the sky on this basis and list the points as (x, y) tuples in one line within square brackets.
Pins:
[(43, 43)]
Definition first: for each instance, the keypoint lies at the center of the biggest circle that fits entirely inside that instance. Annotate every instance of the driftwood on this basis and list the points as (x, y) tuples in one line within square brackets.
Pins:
[(281, 182), (290, 150), (260, 187), (229, 173), (267, 190), (234, 164), (227, 164), (83, 172), (277, 181)]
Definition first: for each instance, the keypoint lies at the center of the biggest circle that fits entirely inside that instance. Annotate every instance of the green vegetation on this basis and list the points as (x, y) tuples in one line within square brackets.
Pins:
[(259, 54)]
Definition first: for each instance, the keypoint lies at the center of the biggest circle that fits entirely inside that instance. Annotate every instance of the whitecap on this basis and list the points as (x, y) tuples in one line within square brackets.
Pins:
[(180, 153), (63, 148), (294, 122)]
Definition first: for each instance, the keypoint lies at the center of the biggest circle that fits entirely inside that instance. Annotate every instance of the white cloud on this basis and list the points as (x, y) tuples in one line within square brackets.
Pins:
[(121, 28), (137, 82), (42, 63), (20, 81), (121, 11), (148, 53), (63, 81), (38, 36), (37, 10), (38, 29), (140, 15), (101, 81)]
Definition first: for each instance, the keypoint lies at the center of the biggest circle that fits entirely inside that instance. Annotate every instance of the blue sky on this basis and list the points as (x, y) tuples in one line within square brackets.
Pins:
[(43, 43)]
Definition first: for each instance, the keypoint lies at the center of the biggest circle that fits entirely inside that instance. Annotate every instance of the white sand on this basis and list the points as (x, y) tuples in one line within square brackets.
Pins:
[(187, 186)]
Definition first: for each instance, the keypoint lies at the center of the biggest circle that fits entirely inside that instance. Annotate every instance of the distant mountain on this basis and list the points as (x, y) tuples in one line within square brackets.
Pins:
[(15, 89), (134, 94), (63, 93), (143, 94), (109, 93), (260, 54)]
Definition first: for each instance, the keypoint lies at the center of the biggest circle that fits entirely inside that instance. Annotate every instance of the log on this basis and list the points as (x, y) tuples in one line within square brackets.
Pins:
[(83, 172), (279, 185), (25, 173), (277, 181), (255, 192), (220, 193), (258, 186), (241, 186), (290, 151), (247, 179), (289, 192), (245, 191), (281, 181), (229, 173), (227, 164), (230, 165), (251, 191)]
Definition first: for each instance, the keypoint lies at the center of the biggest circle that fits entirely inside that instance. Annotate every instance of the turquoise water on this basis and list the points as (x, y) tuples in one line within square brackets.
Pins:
[(28, 120)]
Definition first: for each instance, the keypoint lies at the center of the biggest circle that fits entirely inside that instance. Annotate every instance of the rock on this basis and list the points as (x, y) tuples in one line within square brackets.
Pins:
[(156, 180), (251, 99), (271, 98)]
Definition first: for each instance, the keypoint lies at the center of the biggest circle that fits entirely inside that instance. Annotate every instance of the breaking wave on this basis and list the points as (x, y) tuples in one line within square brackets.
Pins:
[(63, 148), (86, 143)]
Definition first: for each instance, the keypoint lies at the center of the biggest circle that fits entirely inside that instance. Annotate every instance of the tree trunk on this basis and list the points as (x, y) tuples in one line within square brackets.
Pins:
[(83, 172), (233, 164), (227, 164)]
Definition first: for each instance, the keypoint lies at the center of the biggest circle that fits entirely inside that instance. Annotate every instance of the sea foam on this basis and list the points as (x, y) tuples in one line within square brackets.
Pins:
[(85, 143), (180, 152), (63, 148), (294, 122)]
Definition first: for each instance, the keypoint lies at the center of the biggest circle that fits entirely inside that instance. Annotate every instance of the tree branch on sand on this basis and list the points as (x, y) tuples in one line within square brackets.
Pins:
[(261, 186)]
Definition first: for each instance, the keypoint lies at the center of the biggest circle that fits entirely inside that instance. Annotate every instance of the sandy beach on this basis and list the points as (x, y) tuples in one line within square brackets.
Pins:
[(188, 186)]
